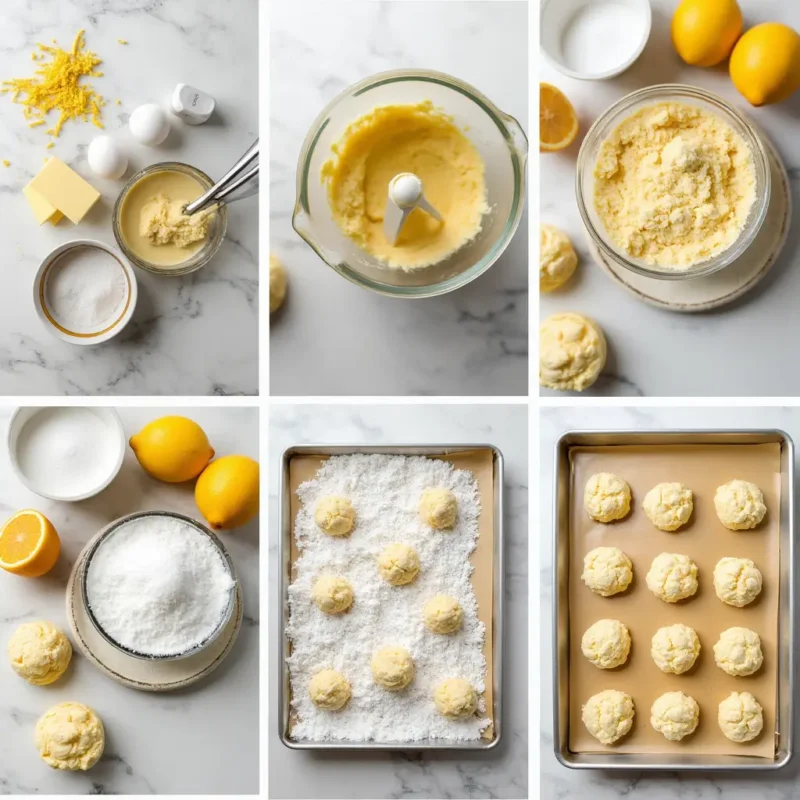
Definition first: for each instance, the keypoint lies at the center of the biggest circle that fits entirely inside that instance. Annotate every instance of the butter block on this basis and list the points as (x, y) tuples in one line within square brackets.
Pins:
[(42, 210), (64, 189)]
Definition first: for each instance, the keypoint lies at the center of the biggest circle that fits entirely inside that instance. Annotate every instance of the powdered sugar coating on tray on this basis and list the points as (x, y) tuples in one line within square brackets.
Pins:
[(385, 491)]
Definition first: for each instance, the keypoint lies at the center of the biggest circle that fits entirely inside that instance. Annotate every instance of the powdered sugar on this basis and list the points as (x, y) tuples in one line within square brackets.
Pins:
[(385, 491)]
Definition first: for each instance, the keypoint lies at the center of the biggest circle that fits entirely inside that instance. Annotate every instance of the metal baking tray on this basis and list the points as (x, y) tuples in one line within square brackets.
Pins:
[(786, 622), (285, 523)]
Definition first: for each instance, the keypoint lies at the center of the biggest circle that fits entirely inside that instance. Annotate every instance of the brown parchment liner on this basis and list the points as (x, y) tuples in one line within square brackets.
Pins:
[(481, 464), (702, 468)]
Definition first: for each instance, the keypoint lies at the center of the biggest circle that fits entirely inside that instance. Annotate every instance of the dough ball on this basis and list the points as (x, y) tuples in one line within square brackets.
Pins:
[(607, 571), (738, 652), (740, 717), (606, 643), (455, 698), (675, 648), (606, 497), (740, 505), (278, 283), (332, 594), (672, 577), (398, 564), (39, 652), (438, 508), (335, 515), (392, 668), (557, 258), (70, 736), (442, 614), (572, 352), (329, 689), (675, 715), (668, 505), (737, 581), (608, 715)]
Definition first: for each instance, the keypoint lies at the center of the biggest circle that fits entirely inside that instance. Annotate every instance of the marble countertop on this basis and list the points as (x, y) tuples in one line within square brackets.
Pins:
[(155, 743), (654, 352), (502, 772), (213, 311), (471, 342), (558, 781)]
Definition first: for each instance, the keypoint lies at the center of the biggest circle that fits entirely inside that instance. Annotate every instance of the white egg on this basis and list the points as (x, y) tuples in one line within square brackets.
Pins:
[(106, 158), (149, 124)]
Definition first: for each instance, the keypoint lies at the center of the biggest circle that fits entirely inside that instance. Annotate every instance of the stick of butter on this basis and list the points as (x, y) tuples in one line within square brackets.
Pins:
[(64, 189), (42, 210)]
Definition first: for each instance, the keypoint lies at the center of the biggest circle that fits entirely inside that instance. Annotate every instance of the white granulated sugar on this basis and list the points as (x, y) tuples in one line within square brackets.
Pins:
[(385, 492)]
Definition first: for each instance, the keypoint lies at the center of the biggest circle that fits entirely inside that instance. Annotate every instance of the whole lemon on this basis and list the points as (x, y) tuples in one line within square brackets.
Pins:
[(227, 492), (765, 65), (705, 31), (172, 449)]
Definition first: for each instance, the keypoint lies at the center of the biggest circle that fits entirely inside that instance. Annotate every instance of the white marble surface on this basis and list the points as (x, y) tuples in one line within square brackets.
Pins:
[(656, 352), (192, 335), (502, 772), (202, 740), (565, 784), (335, 338)]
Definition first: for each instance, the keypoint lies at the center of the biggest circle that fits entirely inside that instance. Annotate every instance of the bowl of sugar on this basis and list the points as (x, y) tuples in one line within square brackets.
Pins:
[(66, 453)]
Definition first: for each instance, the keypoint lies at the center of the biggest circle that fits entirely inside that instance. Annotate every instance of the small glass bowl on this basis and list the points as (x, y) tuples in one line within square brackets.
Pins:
[(614, 116), (219, 224)]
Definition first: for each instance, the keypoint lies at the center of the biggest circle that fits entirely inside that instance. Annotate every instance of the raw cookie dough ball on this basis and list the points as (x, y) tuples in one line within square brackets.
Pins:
[(557, 258), (329, 689), (398, 564), (70, 736), (675, 715), (607, 571), (438, 508), (392, 668), (738, 652), (606, 643), (675, 648), (740, 505), (455, 698), (442, 614), (335, 515), (39, 652), (608, 715), (572, 352), (737, 581), (740, 717), (606, 497), (672, 577), (332, 594), (668, 505), (277, 284)]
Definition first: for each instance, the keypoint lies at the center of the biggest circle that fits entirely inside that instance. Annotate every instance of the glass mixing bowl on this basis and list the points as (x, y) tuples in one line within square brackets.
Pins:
[(498, 138), (629, 105)]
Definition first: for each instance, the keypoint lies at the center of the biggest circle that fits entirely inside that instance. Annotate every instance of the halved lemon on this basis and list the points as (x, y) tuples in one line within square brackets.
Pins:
[(29, 544), (558, 122)]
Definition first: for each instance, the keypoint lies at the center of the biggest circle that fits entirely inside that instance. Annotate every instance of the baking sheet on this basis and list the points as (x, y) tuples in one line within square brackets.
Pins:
[(705, 540)]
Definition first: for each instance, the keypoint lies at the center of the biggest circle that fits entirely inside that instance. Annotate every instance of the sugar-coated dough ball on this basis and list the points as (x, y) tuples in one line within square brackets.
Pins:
[(572, 352), (442, 614), (335, 515), (329, 689), (332, 594), (39, 652), (608, 715), (438, 508), (278, 283), (607, 571), (557, 258), (606, 497), (668, 505), (737, 581), (675, 715), (738, 652), (675, 648), (672, 577), (392, 668), (740, 505), (398, 564), (606, 643), (740, 717), (70, 736), (455, 698)]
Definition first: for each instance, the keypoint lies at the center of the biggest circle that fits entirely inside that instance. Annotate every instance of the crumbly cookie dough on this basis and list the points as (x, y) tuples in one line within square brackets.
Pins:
[(557, 258), (163, 222), (278, 283), (740, 717), (442, 614), (606, 643), (675, 648), (438, 508), (39, 652), (608, 715), (70, 736), (332, 594), (392, 668), (672, 577), (329, 690), (606, 497), (398, 564), (572, 352), (335, 515), (738, 652), (607, 571), (455, 698), (739, 505), (675, 715), (737, 581), (668, 506)]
